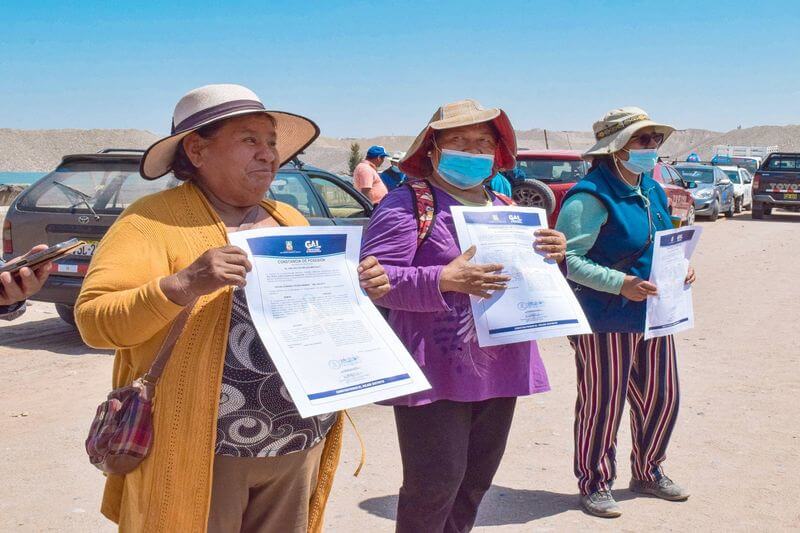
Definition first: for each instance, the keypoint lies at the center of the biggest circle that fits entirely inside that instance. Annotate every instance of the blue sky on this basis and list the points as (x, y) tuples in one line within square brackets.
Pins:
[(381, 68)]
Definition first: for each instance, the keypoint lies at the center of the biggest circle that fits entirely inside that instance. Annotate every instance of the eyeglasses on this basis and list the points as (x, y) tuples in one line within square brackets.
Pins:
[(646, 138)]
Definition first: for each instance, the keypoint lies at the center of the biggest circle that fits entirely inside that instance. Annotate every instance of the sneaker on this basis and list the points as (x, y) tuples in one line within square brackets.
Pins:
[(601, 503), (664, 488)]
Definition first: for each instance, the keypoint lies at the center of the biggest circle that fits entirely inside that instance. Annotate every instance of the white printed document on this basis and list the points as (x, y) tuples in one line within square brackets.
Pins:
[(329, 343), (538, 302), (671, 310)]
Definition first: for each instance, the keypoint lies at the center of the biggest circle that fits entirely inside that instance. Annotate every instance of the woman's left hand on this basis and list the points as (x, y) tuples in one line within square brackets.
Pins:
[(553, 242), (373, 278), (690, 277)]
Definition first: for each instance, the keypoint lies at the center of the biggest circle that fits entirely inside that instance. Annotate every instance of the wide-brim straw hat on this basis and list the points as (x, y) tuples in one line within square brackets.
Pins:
[(213, 103), (615, 129), (462, 113)]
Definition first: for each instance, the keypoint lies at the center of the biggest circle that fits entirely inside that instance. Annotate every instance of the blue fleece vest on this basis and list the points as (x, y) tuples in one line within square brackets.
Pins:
[(621, 237)]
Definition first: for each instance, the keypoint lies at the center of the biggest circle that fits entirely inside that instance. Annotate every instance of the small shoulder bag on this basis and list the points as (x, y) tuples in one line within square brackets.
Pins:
[(122, 430)]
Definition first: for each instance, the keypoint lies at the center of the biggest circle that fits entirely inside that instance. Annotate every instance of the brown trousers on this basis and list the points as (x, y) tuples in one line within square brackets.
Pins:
[(263, 494)]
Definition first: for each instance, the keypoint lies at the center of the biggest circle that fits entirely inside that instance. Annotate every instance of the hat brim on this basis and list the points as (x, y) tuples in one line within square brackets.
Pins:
[(617, 141), (294, 133), (417, 163)]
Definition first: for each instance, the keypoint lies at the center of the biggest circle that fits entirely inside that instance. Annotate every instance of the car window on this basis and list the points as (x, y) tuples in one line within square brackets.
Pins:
[(719, 175), (784, 163), (341, 203), (733, 175), (292, 188), (550, 169), (676, 178), (746, 177), (699, 175), (105, 187)]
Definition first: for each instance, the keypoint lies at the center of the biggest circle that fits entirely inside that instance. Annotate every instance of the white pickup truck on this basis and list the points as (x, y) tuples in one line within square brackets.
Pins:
[(749, 157)]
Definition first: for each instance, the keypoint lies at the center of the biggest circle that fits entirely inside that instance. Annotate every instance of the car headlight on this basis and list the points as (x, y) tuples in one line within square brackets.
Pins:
[(704, 194)]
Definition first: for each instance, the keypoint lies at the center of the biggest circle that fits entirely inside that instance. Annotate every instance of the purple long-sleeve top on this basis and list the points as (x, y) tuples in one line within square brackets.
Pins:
[(438, 328)]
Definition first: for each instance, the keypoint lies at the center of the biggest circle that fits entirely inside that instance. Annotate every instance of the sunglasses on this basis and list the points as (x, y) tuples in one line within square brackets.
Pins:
[(646, 138)]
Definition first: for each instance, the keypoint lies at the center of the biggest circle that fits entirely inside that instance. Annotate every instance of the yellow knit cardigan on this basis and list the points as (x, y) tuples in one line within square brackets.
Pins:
[(121, 306)]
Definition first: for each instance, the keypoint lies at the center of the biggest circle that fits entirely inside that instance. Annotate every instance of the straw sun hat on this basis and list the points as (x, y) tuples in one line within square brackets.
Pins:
[(615, 129), (213, 103), (462, 113)]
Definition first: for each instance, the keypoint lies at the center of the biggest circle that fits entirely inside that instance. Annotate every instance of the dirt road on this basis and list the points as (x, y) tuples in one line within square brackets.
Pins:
[(737, 444)]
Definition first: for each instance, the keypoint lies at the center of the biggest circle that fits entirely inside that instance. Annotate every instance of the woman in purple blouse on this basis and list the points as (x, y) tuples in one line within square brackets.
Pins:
[(452, 437)]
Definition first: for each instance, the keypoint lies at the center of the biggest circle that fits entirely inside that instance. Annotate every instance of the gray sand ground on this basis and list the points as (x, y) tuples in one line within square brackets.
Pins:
[(736, 444)]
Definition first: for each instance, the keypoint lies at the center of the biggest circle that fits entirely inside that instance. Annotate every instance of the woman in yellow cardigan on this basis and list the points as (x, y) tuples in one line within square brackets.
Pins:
[(230, 452)]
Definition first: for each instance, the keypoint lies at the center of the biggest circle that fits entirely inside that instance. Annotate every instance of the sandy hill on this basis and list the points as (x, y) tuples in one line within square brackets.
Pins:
[(41, 150)]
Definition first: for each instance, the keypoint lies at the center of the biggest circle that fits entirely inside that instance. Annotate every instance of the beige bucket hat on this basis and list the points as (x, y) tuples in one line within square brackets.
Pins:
[(616, 128), (462, 113), (212, 103)]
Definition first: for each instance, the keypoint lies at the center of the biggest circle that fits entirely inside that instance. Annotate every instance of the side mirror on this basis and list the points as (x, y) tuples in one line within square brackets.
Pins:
[(724, 182), (691, 184)]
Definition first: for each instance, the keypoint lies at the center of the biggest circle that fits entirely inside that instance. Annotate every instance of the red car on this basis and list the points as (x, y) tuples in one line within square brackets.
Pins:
[(542, 178), (681, 201)]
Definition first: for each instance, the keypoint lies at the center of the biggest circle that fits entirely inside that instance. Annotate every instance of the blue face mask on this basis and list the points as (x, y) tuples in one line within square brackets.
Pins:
[(640, 161), (464, 170), (396, 168)]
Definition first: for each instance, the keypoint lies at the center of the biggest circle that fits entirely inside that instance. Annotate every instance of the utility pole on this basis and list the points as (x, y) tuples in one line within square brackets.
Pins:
[(546, 144)]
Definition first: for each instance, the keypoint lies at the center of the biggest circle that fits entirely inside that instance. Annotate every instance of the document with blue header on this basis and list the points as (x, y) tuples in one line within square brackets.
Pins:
[(329, 343), (538, 303), (671, 310)]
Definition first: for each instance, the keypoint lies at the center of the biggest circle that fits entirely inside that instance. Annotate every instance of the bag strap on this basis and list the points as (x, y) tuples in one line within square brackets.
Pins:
[(165, 352), (424, 208)]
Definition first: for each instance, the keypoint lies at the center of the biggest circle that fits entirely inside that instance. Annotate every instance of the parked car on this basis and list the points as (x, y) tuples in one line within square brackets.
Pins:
[(711, 188), (681, 201), (86, 193), (777, 184), (541, 178), (742, 186)]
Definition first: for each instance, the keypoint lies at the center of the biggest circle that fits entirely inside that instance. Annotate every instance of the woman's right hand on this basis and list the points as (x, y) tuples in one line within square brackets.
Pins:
[(468, 278), (637, 289), (216, 268)]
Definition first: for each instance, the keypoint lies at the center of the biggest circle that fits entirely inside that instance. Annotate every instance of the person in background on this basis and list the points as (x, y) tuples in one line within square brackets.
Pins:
[(393, 177), (14, 289), (500, 184), (366, 178), (610, 219), (453, 436)]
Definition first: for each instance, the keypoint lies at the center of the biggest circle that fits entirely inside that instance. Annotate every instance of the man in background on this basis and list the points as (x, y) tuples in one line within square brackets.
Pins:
[(366, 178), (393, 177), (500, 184)]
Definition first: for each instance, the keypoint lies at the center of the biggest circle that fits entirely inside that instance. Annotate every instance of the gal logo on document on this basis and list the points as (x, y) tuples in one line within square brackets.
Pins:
[(313, 247)]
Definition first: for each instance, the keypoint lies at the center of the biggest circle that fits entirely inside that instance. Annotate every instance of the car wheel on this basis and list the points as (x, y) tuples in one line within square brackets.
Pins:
[(534, 193), (67, 313), (731, 210), (690, 216), (714, 212), (757, 212), (737, 205)]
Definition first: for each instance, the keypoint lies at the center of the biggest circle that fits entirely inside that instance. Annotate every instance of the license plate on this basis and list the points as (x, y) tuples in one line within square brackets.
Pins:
[(790, 196), (87, 250)]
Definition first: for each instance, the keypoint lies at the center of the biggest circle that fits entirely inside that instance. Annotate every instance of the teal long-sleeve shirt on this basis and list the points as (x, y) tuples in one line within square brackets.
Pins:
[(581, 217)]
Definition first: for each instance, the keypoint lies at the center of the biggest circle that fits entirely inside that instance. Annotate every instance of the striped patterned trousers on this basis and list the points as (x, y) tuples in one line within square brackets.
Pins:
[(612, 366)]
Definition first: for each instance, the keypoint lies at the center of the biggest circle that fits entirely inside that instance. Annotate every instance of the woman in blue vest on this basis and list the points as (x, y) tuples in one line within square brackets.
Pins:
[(610, 218)]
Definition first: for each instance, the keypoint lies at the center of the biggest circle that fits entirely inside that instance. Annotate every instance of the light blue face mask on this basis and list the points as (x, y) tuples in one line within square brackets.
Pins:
[(640, 161), (464, 170), (396, 168)]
